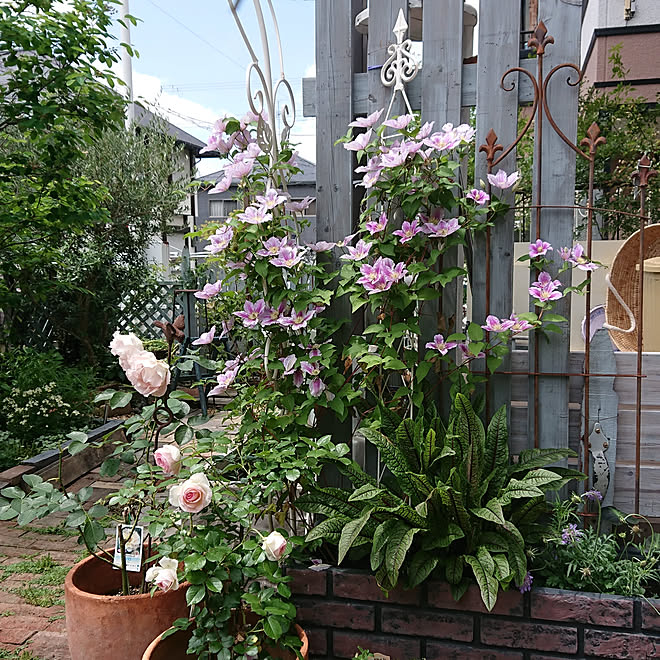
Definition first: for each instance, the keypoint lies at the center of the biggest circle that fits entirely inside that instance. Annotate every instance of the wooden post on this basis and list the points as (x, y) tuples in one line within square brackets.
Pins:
[(498, 110), (550, 401), (442, 34)]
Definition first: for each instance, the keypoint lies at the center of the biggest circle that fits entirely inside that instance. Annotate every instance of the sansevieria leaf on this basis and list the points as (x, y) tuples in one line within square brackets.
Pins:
[(351, 531), (483, 568), (396, 550)]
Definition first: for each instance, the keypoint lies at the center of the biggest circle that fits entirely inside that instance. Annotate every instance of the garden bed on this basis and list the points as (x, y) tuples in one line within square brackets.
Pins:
[(342, 609)]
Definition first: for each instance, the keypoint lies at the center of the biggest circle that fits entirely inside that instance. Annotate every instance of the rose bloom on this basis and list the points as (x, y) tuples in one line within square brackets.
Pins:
[(274, 545), (192, 495), (147, 374), (168, 458), (164, 576), (123, 346)]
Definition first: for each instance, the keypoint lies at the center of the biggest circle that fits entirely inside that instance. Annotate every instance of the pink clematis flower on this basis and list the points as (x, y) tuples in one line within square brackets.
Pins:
[(442, 228), (300, 206), (240, 168), (205, 337), (370, 179), (494, 324), (367, 122), (439, 344), (464, 347), (399, 123), (272, 315), (360, 142), (220, 240), (478, 196), (408, 230), (316, 387), (222, 185), (298, 378), (252, 311), (271, 247), (287, 257), (289, 364), (565, 253), (375, 226), (425, 130), (545, 288), (359, 252), (345, 241), (311, 368), (271, 199), (539, 248), (394, 157), (225, 380), (443, 141), (577, 258), (502, 180), (297, 320), (519, 325), (255, 215), (320, 246), (209, 291)]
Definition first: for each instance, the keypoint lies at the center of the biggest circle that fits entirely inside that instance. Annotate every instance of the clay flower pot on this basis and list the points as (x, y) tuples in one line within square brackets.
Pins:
[(174, 647), (110, 627)]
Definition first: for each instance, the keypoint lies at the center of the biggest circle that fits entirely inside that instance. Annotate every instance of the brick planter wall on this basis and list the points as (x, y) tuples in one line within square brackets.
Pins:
[(342, 609)]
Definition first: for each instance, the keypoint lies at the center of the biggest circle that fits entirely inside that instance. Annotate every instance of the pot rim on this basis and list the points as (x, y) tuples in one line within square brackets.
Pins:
[(70, 587)]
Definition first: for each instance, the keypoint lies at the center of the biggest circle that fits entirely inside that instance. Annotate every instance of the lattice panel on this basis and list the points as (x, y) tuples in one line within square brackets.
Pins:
[(141, 307)]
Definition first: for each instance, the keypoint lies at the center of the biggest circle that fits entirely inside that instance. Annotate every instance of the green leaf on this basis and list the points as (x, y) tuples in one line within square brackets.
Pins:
[(496, 452), (517, 489), (483, 568), (475, 332), (540, 477), (106, 395), (329, 528), (556, 318), (421, 566), (451, 499), (328, 502), (351, 531), (454, 569), (366, 492), (183, 435), (195, 594), (349, 468), (422, 370), (428, 450), (110, 467), (214, 583), (406, 443), (399, 543), (393, 458), (273, 627), (381, 539), (120, 399), (472, 436), (536, 458), (491, 512), (395, 364), (502, 568), (195, 562)]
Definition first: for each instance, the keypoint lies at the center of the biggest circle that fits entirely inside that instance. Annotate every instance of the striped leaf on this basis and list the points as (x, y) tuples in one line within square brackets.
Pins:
[(536, 458), (421, 566), (469, 427), (381, 538), (405, 442), (516, 489), (395, 552), (502, 568), (496, 452), (366, 492), (454, 569), (351, 531), (328, 502), (427, 450), (324, 528), (491, 512), (354, 472), (483, 568)]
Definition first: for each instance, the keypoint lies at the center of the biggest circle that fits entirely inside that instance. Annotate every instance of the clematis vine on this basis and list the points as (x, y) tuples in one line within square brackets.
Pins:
[(539, 248), (502, 180), (209, 291), (359, 252), (252, 313), (272, 315), (380, 277), (376, 226), (272, 247), (577, 258), (519, 325), (220, 240), (545, 289), (297, 320), (408, 230)]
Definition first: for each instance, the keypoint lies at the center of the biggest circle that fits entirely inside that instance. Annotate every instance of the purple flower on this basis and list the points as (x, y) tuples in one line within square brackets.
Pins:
[(375, 226), (425, 130), (345, 241), (316, 387), (287, 257), (209, 291), (360, 142), (593, 495), (519, 325), (526, 583), (251, 313), (300, 206), (399, 122), (255, 215), (367, 122), (205, 337), (408, 230), (539, 248), (272, 315), (272, 247), (503, 181), (442, 141), (442, 228), (565, 253), (493, 324), (545, 288), (478, 196), (571, 534), (271, 199), (225, 379), (289, 364), (439, 344), (577, 258), (314, 353), (220, 240), (359, 252), (297, 320), (227, 326), (381, 275), (464, 348), (321, 246), (394, 157), (311, 368), (222, 185), (298, 378), (239, 168)]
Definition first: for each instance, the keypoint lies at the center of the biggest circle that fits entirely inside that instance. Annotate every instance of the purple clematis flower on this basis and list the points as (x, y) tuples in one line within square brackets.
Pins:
[(300, 206), (271, 199), (345, 241), (439, 344), (478, 196), (289, 364), (425, 130), (375, 226), (272, 247), (320, 246), (442, 228), (297, 320), (367, 122), (443, 141), (494, 324), (255, 215), (272, 315), (222, 185), (311, 368), (399, 122), (220, 240), (578, 259), (287, 257), (360, 142), (502, 180), (464, 347), (408, 230), (205, 337), (539, 248), (252, 312), (316, 387), (225, 379), (298, 378), (359, 252), (519, 325), (545, 288), (209, 291)]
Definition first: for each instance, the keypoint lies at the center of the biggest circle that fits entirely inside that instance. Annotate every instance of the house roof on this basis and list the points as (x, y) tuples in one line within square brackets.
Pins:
[(145, 117), (306, 177)]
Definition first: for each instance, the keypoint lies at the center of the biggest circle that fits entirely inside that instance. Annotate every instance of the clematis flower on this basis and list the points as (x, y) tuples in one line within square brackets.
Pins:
[(225, 379), (220, 240), (442, 141), (369, 121), (380, 277), (310, 368), (345, 241), (320, 246), (205, 337), (442, 228), (298, 378), (316, 387), (271, 199), (360, 142), (359, 252), (565, 253), (289, 364), (227, 327), (222, 185), (578, 259), (494, 324), (300, 206), (502, 180), (464, 347), (240, 168), (539, 248), (271, 247), (297, 320), (478, 196), (287, 257), (370, 178), (408, 230), (209, 291), (375, 226), (519, 325), (251, 313), (400, 122), (255, 215), (394, 157), (545, 288), (425, 130), (439, 344), (272, 315)]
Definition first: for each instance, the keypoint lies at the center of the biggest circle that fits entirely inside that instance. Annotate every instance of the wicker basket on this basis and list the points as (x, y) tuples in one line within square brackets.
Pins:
[(622, 312)]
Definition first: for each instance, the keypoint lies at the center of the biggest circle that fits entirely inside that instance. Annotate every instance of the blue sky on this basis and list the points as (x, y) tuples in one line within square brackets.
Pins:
[(193, 60)]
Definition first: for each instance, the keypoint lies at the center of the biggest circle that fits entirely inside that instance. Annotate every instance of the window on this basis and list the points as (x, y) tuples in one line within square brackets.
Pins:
[(221, 208)]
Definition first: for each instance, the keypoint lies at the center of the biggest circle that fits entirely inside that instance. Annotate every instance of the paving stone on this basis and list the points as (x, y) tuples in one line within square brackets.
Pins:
[(18, 629), (48, 645)]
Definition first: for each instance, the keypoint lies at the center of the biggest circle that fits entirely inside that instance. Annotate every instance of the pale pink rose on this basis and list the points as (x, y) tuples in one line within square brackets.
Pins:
[(146, 374), (124, 345), (274, 545), (168, 458), (192, 495), (165, 575)]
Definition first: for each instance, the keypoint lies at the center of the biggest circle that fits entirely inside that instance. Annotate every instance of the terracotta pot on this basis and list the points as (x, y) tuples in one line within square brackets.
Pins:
[(174, 647), (108, 627)]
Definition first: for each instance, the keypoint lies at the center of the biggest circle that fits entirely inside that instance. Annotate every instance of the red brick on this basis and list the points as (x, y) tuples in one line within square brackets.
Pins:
[(600, 609), (620, 645), (532, 636), (345, 645), (48, 645), (440, 651), (426, 623), (361, 586), (336, 615), (509, 603), (650, 615), (306, 582), (18, 629), (318, 640)]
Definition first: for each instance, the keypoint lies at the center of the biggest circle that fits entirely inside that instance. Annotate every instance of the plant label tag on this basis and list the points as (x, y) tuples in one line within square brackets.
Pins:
[(133, 538), (380, 656)]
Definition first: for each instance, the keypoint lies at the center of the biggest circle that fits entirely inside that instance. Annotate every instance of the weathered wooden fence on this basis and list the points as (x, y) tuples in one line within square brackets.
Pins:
[(348, 84)]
